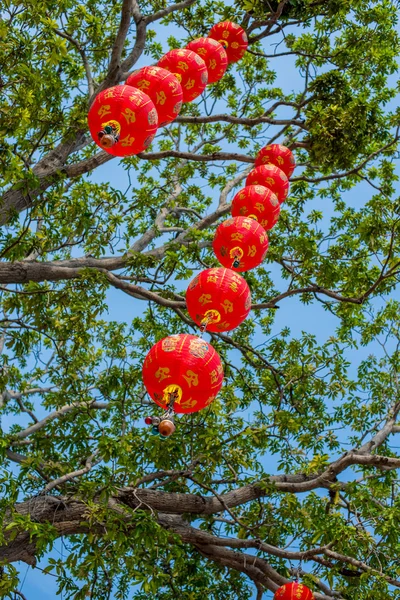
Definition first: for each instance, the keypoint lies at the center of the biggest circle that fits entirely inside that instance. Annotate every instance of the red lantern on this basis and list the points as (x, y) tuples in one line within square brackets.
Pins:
[(163, 89), (232, 37), (278, 155), (183, 368), (271, 177), (123, 120), (294, 591), (240, 243), (219, 299), (257, 202), (190, 70), (213, 54)]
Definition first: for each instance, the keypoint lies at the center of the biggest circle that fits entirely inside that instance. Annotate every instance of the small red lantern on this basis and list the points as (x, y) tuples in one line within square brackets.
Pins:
[(271, 177), (190, 70), (185, 370), (232, 37), (163, 89), (213, 54), (278, 155), (240, 243), (123, 120), (294, 591), (218, 299), (257, 202)]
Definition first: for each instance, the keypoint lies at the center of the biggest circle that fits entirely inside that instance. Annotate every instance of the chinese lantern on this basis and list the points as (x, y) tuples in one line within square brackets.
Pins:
[(240, 243), (218, 299), (190, 70), (185, 370), (257, 202), (213, 54), (232, 37), (277, 155), (163, 88), (271, 177), (123, 120), (294, 591)]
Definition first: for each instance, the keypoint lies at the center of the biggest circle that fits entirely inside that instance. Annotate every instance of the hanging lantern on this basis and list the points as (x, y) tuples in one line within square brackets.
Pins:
[(278, 155), (257, 202), (163, 89), (271, 177), (213, 54), (232, 37), (123, 120), (294, 591), (218, 299), (190, 70), (183, 371), (240, 243)]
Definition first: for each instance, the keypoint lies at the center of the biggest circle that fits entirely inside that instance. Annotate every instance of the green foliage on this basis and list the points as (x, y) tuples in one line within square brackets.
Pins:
[(299, 392)]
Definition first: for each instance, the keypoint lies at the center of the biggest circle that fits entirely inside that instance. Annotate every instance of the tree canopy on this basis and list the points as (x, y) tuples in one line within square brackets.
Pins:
[(294, 466)]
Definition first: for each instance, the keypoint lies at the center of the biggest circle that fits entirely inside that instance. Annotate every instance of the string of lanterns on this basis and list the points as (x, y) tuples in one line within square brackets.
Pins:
[(123, 120), (183, 373)]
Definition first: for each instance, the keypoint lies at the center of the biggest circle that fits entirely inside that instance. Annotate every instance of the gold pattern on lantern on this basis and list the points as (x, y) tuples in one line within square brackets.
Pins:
[(143, 84), (170, 343), (227, 305), (109, 93), (161, 98), (198, 348), (129, 115), (190, 84), (188, 403), (205, 299), (105, 109), (162, 373), (127, 141), (191, 378), (212, 64), (237, 237), (212, 279), (183, 65), (252, 251)]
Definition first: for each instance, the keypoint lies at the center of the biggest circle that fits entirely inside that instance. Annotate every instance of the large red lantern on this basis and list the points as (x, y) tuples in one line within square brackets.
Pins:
[(232, 37), (163, 88), (185, 370), (278, 155), (213, 54), (294, 591), (240, 243), (123, 120), (189, 68), (271, 177), (218, 299), (257, 202)]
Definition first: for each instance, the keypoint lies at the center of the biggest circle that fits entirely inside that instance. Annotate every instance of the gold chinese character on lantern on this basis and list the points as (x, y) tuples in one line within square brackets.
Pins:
[(191, 378), (212, 64), (105, 109), (127, 141), (227, 305), (252, 251), (162, 373), (143, 84), (212, 279), (182, 65), (129, 115), (205, 299), (190, 84), (161, 98), (237, 237)]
